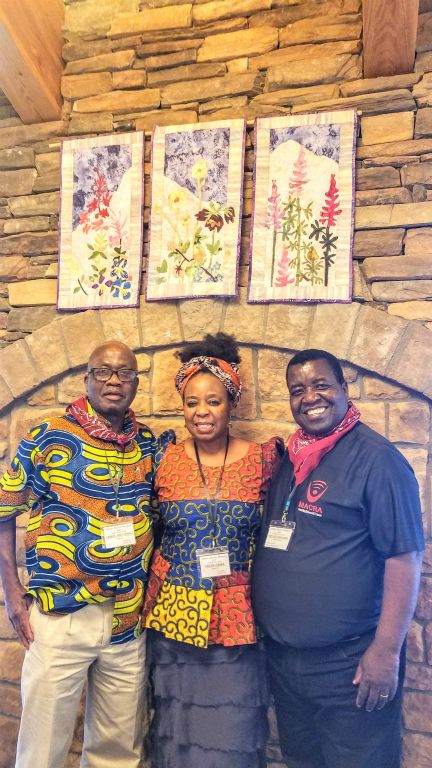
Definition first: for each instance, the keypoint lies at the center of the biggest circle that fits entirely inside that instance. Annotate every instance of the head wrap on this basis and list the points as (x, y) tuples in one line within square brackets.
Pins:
[(227, 373)]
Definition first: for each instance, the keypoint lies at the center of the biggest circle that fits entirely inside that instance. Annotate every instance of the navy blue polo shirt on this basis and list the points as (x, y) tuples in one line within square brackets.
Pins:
[(359, 507)]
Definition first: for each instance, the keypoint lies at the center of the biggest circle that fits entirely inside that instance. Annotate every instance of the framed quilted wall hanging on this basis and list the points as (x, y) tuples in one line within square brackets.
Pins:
[(101, 221), (196, 203), (303, 208)]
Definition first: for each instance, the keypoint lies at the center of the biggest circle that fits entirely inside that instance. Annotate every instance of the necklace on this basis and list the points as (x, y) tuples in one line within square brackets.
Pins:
[(212, 503)]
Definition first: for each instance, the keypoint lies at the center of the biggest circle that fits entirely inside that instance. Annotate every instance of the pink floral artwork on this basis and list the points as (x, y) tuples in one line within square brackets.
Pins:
[(101, 222), (302, 227)]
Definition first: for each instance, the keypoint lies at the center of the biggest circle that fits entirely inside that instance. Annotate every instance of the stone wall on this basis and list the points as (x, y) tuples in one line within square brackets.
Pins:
[(127, 69)]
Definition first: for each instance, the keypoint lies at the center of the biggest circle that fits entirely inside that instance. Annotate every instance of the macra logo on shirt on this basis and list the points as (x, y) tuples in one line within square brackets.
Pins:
[(316, 489)]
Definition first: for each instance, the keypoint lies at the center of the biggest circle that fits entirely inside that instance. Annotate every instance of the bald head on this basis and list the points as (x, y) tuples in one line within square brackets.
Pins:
[(108, 348)]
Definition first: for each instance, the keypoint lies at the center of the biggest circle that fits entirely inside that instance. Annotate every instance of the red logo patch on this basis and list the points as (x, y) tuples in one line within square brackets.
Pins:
[(316, 489)]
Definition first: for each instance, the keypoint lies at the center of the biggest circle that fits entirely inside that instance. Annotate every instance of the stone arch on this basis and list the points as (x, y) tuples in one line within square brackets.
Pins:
[(367, 337)]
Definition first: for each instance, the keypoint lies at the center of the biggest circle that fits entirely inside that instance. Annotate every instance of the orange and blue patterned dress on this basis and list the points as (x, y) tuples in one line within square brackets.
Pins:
[(208, 670)]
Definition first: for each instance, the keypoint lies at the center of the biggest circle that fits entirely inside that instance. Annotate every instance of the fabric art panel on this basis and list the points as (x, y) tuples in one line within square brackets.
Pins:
[(195, 220), (303, 216), (100, 250)]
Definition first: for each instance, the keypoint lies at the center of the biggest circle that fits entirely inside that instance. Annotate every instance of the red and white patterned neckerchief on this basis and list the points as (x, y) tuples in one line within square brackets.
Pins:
[(96, 426), (306, 450)]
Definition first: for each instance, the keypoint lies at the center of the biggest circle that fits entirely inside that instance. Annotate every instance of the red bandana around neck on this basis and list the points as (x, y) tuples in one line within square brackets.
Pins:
[(306, 450), (96, 426)]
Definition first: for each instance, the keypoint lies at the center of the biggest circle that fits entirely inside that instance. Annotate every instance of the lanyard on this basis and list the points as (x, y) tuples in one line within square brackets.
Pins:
[(116, 477), (285, 513), (212, 503)]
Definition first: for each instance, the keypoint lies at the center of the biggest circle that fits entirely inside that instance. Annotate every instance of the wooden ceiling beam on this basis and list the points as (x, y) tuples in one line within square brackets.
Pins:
[(30, 57), (389, 36)]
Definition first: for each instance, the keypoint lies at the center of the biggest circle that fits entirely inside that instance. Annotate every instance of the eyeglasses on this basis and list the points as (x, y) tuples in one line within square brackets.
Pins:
[(104, 374)]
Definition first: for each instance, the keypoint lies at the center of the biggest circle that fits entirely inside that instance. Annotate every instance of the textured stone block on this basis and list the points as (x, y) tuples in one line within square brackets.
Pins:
[(121, 325), (82, 334), (376, 388), (247, 408), (409, 422), (79, 86), (165, 117), (417, 750), (159, 324), (321, 29), (369, 103), (398, 268), (186, 73), (129, 78), (17, 369), (90, 123), (418, 711), (29, 224), (418, 173), (390, 196), (34, 205), (15, 183), (288, 325), (318, 71), (117, 102), (423, 123), (408, 215), (171, 17), (373, 414), (283, 56), (200, 316), (414, 365), (33, 293), (27, 134), (48, 351), (412, 310), (18, 157), (248, 42), (386, 335), (377, 178), (14, 268), (104, 62), (393, 149), (396, 126), (378, 242), (271, 374), (287, 96), (246, 322), (277, 410), (213, 88), (332, 328), (219, 9), (165, 397), (28, 244), (402, 290), (6, 396)]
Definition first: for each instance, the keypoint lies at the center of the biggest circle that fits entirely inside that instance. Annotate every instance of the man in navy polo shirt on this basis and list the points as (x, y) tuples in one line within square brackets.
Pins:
[(336, 578)]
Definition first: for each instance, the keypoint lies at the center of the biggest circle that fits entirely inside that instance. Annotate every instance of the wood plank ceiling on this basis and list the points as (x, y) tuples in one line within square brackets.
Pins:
[(30, 57), (389, 36)]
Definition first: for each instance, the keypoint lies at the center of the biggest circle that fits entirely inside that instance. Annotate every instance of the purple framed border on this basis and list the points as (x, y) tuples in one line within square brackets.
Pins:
[(190, 128), (351, 234)]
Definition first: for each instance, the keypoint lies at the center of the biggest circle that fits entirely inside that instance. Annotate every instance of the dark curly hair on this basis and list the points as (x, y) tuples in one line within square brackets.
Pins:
[(220, 345)]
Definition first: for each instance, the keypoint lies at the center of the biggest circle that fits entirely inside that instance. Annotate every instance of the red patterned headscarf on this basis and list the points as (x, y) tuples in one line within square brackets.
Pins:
[(306, 450), (227, 373)]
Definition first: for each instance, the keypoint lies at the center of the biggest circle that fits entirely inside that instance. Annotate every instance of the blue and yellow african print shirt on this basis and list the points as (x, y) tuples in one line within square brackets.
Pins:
[(64, 478)]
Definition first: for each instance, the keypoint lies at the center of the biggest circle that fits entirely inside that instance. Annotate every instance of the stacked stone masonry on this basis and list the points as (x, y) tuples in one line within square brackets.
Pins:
[(131, 65)]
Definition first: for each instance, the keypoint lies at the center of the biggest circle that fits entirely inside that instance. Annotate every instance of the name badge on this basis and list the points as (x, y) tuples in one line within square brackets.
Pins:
[(118, 534), (214, 562), (280, 534)]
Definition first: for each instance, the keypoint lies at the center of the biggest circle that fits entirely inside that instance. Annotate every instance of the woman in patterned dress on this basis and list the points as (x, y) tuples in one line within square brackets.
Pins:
[(208, 671)]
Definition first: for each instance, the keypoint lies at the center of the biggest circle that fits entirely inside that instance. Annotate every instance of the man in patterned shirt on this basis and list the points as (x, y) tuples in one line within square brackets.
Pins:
[(85, 478)]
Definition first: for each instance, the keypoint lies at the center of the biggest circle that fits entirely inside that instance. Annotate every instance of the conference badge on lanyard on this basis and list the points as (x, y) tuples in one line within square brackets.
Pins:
[(213, 562), (118, 534), (280, 532)]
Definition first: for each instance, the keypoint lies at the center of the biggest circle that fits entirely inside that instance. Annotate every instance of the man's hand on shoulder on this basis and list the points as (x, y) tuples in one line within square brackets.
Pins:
[(377, 676), (17, 608)]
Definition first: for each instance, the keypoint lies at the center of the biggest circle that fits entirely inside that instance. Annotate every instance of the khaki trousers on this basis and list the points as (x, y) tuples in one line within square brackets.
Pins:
[(67, 652)]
